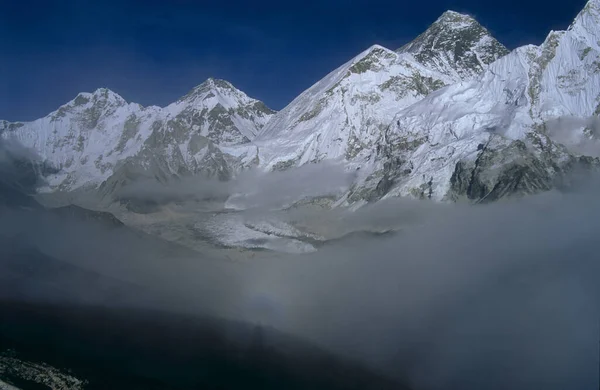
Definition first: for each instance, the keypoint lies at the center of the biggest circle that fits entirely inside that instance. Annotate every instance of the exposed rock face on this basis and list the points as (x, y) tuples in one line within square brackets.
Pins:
[(509, 131), (521, 172), (456, 45), (450, 115), (90, 138), (345, 115)]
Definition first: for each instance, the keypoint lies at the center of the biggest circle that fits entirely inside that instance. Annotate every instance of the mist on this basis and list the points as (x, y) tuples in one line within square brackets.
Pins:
[(461, 297), (250, 189), (500, 296), (20, 167), (579, 135)]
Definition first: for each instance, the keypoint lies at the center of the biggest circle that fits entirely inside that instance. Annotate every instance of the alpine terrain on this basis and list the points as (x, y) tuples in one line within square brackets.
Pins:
[(99, 135), (451, 115), (378, 232)]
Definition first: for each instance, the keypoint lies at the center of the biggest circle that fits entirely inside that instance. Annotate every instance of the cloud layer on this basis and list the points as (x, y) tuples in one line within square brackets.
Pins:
[(496, 296)]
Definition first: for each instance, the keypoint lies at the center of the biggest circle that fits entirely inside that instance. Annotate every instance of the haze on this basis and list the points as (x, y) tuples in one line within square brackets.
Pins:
[(496, 296)]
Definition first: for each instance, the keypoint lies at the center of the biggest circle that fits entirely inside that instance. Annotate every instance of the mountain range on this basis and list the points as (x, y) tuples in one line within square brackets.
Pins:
[(452, 115)]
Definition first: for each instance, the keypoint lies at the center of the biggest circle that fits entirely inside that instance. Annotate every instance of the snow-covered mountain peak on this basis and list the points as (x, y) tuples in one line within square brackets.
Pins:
[(106, 94), (91, 136), (343, 116), (456, 19), (384, 113), (218, 83), (456, 45), (220, 91), (216, 92), (373, 59), (103, 97), (212, 84), (519, 128), (221, 112), (587, 23), (89, 109), (592, 8)]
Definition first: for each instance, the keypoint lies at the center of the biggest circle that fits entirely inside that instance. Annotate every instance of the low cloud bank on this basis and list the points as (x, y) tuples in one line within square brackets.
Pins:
[(497, 296), (251, 189), (579, 135), (20, 168)]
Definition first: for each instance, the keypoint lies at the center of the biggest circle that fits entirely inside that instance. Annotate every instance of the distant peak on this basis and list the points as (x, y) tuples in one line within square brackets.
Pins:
[(102, 91), (371, 59), (457, 40), (211, 85), (100, 95), (217, 83), (453, 15), (210, 88), (449, 27), (454, 19), (589, 17), (374, 51), (377, 47), (106, 93)]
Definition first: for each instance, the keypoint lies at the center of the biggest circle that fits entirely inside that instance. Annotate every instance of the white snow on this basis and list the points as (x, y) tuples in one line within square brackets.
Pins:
[(504, 101), (344, 115), (377, 99), (233, 230), (87, 137)]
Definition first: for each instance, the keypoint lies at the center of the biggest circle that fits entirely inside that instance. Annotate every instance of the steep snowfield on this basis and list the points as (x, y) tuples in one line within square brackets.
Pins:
[(344, 115), (451, 115), (504, 112), (565, 78), (89, 137), (85, 137)]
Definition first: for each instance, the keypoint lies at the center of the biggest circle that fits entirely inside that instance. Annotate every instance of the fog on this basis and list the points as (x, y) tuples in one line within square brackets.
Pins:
[(20, 167), (251, 189), (579, 135), (461, 297), (501, 296)]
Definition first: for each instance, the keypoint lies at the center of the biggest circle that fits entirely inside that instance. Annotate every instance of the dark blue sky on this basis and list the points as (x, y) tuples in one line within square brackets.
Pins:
[(153, 52)]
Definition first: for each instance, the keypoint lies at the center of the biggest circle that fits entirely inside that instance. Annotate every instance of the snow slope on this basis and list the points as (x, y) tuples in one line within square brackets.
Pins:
[(490, 136), (451, 115), (344, 115), (89, 137)]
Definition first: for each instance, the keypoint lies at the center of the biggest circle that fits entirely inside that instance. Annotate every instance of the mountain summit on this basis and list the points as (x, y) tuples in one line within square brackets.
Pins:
[(456, 45), (344, 116), (519, 128), (450, 115), (88, 138), (496, 130), (217, 110)]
